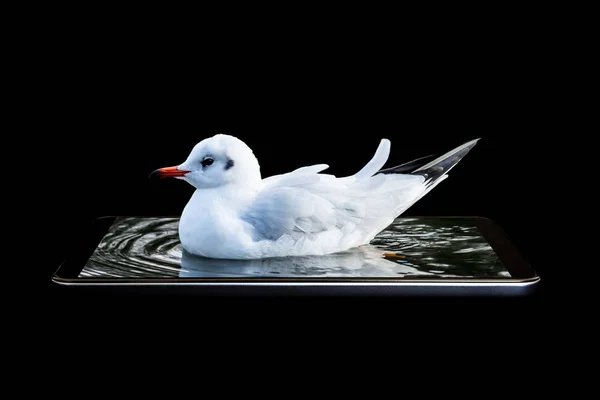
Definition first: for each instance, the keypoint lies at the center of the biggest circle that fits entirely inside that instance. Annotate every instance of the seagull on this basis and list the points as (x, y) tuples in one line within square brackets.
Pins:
[(236, 214)]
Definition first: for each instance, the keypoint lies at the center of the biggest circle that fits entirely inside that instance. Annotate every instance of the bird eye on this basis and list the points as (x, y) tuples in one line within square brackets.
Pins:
[(207, 161)]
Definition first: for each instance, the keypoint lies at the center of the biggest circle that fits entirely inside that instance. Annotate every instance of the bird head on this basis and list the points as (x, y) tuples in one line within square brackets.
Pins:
[(216, 161)]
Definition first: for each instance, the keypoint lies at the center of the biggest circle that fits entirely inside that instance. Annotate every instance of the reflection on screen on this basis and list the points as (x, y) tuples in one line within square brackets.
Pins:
[(150, 248)]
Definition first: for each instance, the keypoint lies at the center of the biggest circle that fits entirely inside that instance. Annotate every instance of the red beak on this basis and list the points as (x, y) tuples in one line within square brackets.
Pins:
[(169, 172)]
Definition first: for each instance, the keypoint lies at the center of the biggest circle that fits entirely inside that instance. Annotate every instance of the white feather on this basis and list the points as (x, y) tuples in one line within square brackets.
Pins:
[(377, 162)]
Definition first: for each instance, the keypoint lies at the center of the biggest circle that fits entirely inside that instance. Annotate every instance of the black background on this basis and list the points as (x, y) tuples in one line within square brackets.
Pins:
[(116, 113)]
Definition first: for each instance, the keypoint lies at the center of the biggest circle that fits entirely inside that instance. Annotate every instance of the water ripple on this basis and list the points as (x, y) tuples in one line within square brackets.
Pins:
[(150, 247)]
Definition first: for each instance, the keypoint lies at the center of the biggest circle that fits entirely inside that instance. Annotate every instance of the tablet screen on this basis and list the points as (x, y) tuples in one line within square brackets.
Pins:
[(146, 247)]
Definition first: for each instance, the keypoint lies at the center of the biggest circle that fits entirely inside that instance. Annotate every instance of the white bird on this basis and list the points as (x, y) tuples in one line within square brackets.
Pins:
[(236, 214)]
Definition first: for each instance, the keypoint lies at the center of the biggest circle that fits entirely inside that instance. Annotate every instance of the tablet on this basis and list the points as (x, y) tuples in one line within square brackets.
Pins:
[(414, 256)]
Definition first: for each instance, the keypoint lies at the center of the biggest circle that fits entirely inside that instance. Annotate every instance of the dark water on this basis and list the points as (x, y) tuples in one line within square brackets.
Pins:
[(150, 248)]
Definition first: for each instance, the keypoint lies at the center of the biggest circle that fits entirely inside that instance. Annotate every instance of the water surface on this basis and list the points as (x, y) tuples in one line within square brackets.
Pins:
[(150, 248)]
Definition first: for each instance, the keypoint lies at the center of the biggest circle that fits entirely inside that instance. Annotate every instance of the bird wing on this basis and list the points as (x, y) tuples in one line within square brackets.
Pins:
[(309, 208)]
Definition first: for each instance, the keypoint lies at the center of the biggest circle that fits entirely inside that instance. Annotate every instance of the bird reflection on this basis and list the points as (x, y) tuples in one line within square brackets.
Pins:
[(364, 261)]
